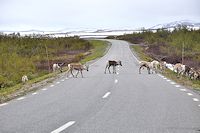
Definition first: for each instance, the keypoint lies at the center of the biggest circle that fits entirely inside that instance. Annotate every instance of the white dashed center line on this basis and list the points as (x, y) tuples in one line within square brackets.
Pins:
[(106, 95), (60, 129), (117, 73), (3, 104), (195, 99), (189, 94), (199, 105), (116, 81), (21, 98)]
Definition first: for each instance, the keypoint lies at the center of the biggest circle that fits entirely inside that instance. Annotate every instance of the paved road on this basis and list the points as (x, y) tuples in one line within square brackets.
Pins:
[(126, 102)]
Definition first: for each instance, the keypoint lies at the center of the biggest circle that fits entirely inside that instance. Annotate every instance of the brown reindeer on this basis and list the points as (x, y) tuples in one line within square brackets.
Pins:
[(77, 66), (113, 64)]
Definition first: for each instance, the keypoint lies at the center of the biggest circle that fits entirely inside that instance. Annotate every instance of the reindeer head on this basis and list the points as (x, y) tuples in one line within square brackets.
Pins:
[(87, 67), (119, 63)]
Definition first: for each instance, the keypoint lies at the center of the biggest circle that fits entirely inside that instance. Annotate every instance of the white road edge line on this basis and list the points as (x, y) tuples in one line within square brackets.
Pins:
[(106, 95), (3, 104), (177, 86), (58, 82), (189, 94), (35, 93), (21, 98), (195, 99), (183, 90), (62, 80), (160, 75), (172, 83), (44, 89), (133, 55), (60, 129), (52, 86)]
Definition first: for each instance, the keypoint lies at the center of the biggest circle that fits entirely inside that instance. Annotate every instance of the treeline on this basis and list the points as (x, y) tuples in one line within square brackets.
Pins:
[(30, 56), (169, 45)]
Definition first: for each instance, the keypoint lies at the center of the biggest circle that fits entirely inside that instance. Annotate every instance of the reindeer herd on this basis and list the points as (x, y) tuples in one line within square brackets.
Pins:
[(178, 68), (153, 66)]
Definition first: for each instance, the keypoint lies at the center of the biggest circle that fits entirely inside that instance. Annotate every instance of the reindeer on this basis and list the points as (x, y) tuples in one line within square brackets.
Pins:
[(151, 66), (57, 66), (194, 74), (163, 66), (24, 79), (155, 66), (145, 64), (77, 66), (114, 64), (179, 69)]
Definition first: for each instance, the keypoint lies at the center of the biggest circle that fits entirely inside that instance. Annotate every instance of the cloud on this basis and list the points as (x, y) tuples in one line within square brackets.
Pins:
[(94, 13)]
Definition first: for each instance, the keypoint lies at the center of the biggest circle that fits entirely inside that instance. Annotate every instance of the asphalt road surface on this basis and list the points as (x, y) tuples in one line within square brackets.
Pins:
[(126, 102)]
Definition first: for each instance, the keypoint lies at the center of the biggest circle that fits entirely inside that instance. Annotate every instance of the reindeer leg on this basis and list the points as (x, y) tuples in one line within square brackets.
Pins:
[(72, 73), (140, 69), (149, 70), (81, 73), (109, 69), (77, 73), (105, 69), (114, 67), (61, 69)]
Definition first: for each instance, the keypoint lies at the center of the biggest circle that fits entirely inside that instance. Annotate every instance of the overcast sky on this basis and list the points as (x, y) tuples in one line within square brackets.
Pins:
[(94, 14)]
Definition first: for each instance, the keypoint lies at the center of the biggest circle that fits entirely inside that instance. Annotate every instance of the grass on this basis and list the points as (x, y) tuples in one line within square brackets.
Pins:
[(99, 49), (185, 81), (139, 50), (5, 92)]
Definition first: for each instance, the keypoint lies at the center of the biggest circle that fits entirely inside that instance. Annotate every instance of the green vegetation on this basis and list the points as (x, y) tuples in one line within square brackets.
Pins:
[(168, 46), (185, 81), (98, 50), (195, 84), (30, 56), (164, 45), (34, 63), (138, 49)]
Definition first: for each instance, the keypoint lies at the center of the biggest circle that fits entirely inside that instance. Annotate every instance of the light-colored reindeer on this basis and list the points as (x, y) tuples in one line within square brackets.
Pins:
[(77, 66)]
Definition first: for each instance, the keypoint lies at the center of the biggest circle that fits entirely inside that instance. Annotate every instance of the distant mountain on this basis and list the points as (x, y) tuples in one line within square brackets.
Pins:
[(175, 24), (87, 31)]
